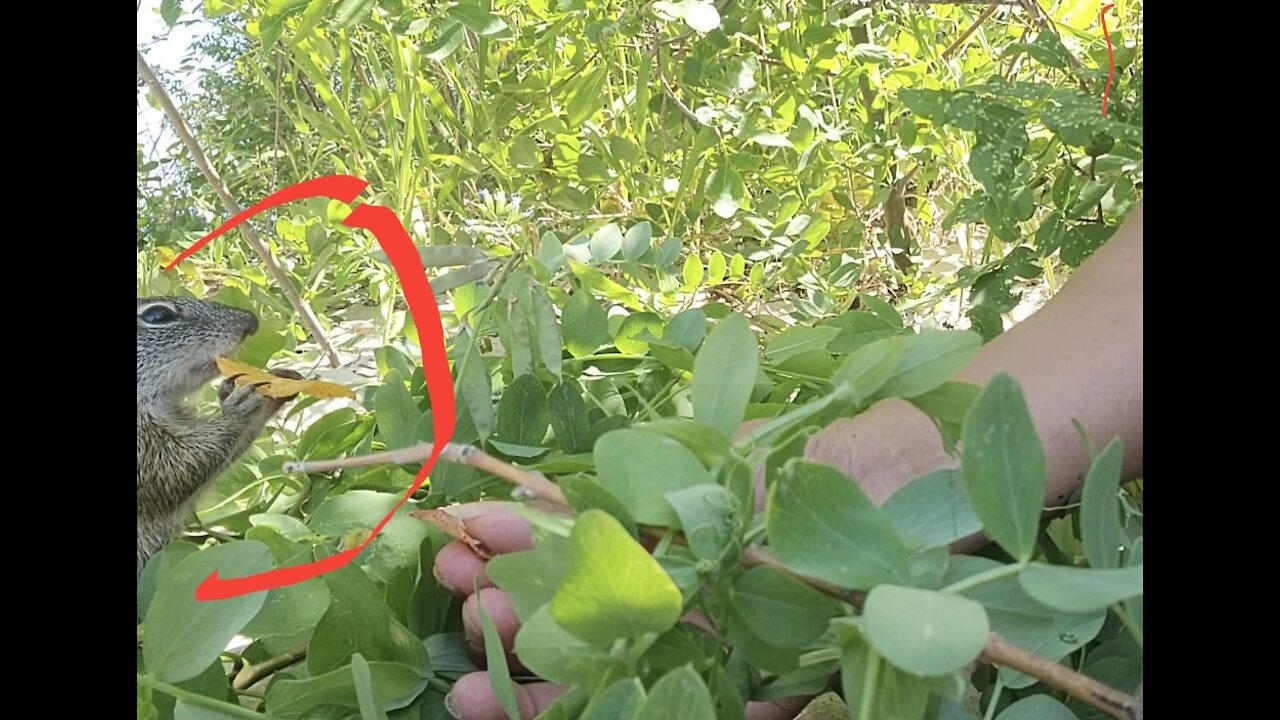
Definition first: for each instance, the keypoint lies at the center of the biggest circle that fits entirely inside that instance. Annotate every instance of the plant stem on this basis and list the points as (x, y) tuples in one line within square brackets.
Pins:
[(995, 699), (866, 709), (191, 698), (1129, 625)]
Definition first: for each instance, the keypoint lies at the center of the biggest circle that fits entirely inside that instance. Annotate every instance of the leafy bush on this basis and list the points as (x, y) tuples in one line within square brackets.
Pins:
[(647, 224)]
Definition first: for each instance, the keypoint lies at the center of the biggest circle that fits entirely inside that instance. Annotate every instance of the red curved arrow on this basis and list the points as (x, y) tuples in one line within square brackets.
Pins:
[(1111, 57), (395, 242)]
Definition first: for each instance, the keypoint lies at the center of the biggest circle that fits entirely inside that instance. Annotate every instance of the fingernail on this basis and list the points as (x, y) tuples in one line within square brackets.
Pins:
[(448, 706)]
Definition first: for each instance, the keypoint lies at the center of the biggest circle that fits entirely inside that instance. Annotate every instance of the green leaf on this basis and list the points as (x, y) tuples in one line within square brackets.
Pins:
[(359, 621), (709, 444), (1004, 466), (724, 373), (1036, 707), (869, 53), (556, 656), (396, 412), (614, 588), (496, 665), (680, 693), (640, 468), (923, 631), (586, 327), (548, 330), (531, 578), (717, 267), (710, 517), (184, 635), (780, 610), (351, 13), (1073, 589), (367, 697), (290, 699), (474, 384), (479, 20), (522, 413), (1020, 619), (170, 11), (635, 326), (726, 191), (291, 609), (1100, 530), (928, 360), (586, 96), (449, 37), (569, 417), (687, 328), (606, 242), (798, 340), (620, 701), (584, 493), (823, 525), (692, 272), (637, 241), (947, 405), (869, 367), (395, 548), (875, 685), (933, 509)]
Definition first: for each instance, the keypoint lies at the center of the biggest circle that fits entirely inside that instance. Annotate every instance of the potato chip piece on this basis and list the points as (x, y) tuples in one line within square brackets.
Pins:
[(279, 387)]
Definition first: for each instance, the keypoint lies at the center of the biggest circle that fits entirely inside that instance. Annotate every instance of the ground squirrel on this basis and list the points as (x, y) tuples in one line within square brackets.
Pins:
[(180, 452)]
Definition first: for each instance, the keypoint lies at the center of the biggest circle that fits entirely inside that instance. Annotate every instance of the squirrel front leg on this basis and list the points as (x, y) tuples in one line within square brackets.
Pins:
[(244, 401)]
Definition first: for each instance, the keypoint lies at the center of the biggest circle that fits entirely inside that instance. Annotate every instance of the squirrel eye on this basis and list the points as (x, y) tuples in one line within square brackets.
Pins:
[(157, 315)]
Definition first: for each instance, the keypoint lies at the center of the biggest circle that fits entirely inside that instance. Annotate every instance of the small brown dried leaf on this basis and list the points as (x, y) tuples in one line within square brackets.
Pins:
[(454, 527), (278, 387)]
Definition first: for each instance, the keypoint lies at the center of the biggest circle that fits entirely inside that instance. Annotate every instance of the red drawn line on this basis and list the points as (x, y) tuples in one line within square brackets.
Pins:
[(1111, 57), (395, 242), (334, 187)]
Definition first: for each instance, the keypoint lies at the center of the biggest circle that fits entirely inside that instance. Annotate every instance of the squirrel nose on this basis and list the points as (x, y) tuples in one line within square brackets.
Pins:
[(252, 326)]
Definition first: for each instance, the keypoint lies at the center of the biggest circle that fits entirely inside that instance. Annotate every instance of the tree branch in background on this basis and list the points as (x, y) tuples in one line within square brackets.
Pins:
[(277, 273)]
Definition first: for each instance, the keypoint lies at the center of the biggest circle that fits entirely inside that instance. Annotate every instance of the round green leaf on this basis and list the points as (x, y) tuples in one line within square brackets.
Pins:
[(615, 589), (586, 326), (184, 635), (726, 191), (606, 242), (640, 468), (522, 413), (637, 241), (632, 327), (922, 631), (823, 525)]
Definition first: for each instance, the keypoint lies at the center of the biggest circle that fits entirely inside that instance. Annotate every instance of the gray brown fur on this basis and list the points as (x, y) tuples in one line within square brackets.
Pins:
[(179, 451)]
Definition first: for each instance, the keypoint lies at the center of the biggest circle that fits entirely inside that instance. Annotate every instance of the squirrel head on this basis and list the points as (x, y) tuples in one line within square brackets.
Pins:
[(178, 342)]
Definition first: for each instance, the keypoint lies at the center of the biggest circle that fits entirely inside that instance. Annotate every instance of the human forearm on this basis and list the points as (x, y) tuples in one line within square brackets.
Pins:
[(1079, 357)]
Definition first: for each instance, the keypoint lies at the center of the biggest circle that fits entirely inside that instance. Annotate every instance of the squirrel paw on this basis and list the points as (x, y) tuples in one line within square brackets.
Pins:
[(245, 399), (242, 400)]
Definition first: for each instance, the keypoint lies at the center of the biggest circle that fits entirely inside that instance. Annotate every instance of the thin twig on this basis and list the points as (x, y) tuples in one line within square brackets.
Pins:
[(536, 485), (180, 127), (251, 675)]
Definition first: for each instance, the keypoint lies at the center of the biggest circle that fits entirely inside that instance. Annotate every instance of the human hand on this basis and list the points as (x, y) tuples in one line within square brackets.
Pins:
[(460, 569)]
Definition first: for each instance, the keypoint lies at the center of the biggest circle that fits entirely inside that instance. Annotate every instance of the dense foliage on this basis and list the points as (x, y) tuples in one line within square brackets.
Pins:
[(646, 223)]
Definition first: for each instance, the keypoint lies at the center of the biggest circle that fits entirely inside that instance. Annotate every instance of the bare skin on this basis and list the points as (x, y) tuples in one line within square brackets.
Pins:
[(1079, 357)]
